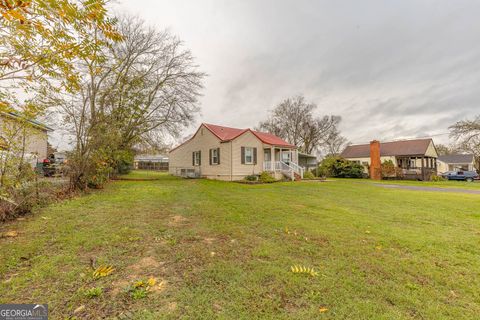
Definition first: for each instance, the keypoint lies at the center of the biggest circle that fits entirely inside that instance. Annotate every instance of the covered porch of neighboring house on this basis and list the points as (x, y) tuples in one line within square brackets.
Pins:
[(416, 167), (307, 161), (282, 161)]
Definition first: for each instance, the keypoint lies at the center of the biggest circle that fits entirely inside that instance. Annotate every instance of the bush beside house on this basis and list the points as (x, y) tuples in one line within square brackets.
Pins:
[(340, 168)]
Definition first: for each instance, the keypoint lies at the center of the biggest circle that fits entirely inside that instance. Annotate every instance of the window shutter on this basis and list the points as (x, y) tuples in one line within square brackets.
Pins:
[(210, 156), (254, 155), (218, 155), (193, 158), (243, 155), (199, 158)]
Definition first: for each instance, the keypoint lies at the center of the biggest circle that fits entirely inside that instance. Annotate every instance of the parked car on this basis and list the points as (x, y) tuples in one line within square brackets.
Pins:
[(461, 175), (53, 165)]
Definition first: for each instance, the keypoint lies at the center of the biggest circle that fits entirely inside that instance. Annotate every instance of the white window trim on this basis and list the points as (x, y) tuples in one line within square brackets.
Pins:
[(197, 158), (214, 157), (251, 155)]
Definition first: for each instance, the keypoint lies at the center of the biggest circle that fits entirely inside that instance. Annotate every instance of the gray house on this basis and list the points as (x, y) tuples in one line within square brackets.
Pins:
[(456, 162)]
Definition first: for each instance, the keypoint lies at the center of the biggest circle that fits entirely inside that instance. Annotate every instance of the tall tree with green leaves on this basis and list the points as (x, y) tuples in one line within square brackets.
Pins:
[(40, 40), (41, 43)]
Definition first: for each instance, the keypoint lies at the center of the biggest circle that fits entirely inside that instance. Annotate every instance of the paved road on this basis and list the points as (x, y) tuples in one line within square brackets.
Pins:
[(435, 189)]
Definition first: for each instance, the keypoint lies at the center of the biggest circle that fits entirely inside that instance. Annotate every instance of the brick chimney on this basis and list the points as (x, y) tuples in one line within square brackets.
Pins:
[(375, 164)]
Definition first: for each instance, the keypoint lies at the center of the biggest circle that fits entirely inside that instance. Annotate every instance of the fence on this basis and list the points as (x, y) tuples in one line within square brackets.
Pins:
[(149, 165)]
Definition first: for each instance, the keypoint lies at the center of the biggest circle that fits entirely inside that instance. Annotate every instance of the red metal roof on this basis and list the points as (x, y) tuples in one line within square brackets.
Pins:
[(227, 134), (272, 139), (224, 133)]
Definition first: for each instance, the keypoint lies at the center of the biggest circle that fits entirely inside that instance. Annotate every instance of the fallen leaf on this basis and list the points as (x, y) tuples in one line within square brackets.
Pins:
[(79, 309), (103, 271), (151, 282), (323, 309), (11, 234)]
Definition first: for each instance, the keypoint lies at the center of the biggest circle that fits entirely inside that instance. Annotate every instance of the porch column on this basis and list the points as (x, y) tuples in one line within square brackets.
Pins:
[(423, 168), (272, 158)]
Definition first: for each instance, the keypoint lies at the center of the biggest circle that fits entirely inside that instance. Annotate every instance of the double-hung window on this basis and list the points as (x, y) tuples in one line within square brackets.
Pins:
[(248, 155), (196, 158), (215, 156)]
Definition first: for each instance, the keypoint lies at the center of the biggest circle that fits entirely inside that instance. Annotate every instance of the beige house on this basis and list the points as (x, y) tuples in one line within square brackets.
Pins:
[(456, 162), (224, 153), (414, 159), (26, 136)]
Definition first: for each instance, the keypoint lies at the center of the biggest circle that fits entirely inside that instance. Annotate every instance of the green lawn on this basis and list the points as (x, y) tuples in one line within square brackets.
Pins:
[(221, 250), (437, 184)]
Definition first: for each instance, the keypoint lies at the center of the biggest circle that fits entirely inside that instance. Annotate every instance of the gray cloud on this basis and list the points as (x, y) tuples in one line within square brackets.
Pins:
[(391, 69)]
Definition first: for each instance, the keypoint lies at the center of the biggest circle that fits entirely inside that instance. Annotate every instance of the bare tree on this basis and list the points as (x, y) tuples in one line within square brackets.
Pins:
[(144, 86), (443, 149), (334, 143), (294, 120), (156, 83), (467, 133), (287, 120)]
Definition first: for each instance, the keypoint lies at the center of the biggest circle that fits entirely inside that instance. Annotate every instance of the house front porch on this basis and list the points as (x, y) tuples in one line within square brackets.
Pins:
[(416, 167), (282, 162)]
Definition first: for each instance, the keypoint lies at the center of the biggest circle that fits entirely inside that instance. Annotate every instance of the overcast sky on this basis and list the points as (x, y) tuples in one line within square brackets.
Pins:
[(391, 69)]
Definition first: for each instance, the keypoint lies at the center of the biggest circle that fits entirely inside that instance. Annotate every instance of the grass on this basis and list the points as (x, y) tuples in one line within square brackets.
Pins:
[(143, 175), (437, 184), (225, 250)]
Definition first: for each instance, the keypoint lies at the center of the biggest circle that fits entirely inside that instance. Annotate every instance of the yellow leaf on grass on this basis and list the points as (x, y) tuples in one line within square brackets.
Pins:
[(11, 234), (151, 282), (103, 271), (303, 269), (323, 309)]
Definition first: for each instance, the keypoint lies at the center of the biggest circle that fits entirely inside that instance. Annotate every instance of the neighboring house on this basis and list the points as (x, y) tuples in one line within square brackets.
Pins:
[(307, 161), (59, 156), (224, 153), (151, 162), (414, 159), (30, 138), (456, 162)]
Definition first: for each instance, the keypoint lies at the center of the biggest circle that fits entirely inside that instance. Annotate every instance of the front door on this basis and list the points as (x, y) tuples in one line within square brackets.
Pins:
[(286, 156)]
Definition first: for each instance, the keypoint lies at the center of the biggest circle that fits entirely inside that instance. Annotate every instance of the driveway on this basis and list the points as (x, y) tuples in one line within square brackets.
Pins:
[(435, 189)]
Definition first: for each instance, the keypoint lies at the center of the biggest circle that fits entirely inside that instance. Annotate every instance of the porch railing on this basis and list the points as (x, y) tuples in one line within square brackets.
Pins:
[(288, 169), (297, 168)]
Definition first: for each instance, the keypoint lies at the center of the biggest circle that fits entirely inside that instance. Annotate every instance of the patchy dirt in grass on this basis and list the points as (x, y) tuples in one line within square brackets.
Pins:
[(177, 220), (209, 240), (143, 268), (145, 264), (172, 306)]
